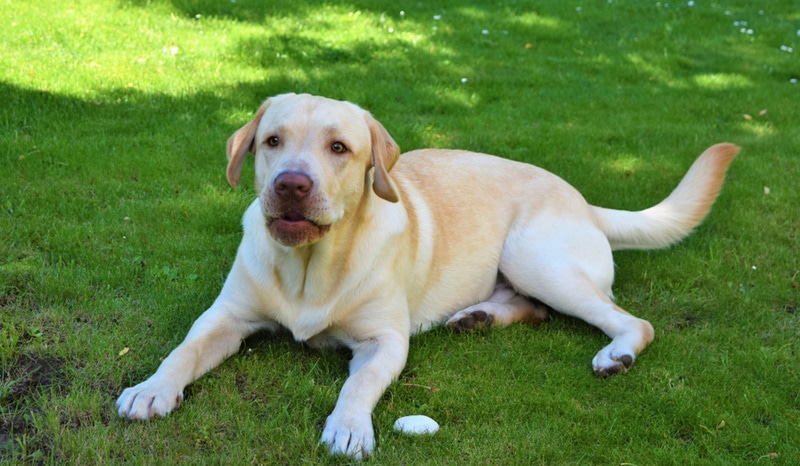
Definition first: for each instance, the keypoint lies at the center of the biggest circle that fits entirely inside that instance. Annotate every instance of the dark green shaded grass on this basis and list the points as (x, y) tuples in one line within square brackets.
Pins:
[(117, 227)]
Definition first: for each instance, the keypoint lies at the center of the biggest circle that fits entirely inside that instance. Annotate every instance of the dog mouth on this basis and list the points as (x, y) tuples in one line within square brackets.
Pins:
[(294, 216), (292, 228)]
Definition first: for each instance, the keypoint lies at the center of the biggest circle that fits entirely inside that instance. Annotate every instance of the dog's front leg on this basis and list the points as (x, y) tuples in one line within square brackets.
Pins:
[(214, 336), (376, 363)]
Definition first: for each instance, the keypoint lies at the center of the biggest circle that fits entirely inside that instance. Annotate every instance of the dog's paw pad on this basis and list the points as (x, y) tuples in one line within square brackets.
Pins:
[(482, 317), (615, 366), (462, 324), (626, 360), (604, 372), (471, 321)]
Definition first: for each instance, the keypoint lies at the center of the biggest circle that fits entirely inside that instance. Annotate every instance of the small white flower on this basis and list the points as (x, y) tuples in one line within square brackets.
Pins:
[(437, 17), (691, 3), (578, 9), (464, 80), (198, 16), (755, 268), (749, 32), (787, 49), (728, 13), (793, 80), (798, 33), (485, 32), (391, 30), (402, 13)]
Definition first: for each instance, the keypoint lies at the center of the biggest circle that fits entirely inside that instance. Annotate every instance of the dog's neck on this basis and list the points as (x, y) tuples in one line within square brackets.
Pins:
[(339, 255)]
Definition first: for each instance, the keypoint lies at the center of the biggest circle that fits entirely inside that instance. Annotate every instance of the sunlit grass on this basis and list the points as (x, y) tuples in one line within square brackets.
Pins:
[(757, 128), (624, 163), (722, 81)]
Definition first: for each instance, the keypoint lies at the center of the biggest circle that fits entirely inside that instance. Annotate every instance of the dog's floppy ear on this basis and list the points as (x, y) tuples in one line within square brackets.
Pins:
[(385, 153), (241, 143)]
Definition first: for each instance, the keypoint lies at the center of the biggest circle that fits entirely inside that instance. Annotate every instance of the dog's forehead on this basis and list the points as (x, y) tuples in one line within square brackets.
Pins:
[(306, 112)]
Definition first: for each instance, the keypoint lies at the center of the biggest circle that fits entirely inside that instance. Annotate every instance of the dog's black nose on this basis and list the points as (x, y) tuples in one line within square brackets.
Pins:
[(293, 185)]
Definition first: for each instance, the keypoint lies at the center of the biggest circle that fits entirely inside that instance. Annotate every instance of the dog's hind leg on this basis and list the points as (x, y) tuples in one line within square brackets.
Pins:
[(504, 307), (571, 270)]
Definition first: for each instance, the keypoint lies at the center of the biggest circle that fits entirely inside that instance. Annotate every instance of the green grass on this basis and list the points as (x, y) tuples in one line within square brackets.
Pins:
[(117, 226)]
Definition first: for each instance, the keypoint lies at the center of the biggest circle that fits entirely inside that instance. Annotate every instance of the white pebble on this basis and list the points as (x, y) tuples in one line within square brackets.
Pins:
[(418, 424)]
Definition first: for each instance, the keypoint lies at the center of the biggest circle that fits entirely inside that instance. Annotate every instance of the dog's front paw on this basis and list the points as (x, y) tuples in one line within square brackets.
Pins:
[(148, 399), (470, 319), (349, 435)]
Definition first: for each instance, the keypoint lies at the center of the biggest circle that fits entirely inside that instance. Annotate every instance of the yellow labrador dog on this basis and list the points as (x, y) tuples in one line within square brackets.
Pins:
[(348, 243)]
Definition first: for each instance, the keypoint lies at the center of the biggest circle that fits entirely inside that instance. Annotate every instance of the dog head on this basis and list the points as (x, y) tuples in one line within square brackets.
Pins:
[(315, 160)]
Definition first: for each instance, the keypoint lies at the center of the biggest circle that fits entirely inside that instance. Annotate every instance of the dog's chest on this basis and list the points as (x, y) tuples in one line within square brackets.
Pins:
[(308, 303), (307, 323)]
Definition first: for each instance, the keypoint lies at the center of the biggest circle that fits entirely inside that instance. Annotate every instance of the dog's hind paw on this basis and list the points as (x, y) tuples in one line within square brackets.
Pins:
[(468, 320), (606, 367)]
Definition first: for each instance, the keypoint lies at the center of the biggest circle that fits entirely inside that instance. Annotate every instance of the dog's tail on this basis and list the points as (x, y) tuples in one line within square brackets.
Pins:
[(671, 220)]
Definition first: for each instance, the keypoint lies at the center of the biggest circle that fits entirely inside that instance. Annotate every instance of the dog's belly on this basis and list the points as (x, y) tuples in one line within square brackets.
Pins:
[(448, 289)]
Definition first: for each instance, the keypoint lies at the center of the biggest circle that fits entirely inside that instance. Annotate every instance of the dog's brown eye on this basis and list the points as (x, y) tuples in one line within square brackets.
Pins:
[(273, 141), (338, 147)]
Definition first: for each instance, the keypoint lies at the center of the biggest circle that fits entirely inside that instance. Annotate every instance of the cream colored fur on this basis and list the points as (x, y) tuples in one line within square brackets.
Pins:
[(348, 243)]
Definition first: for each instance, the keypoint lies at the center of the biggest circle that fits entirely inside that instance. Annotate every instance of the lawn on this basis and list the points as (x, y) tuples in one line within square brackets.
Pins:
[(117, 225)]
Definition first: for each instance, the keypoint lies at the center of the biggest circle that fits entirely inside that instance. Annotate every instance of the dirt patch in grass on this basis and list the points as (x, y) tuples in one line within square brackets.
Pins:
[(30, 373), (22, 382)]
